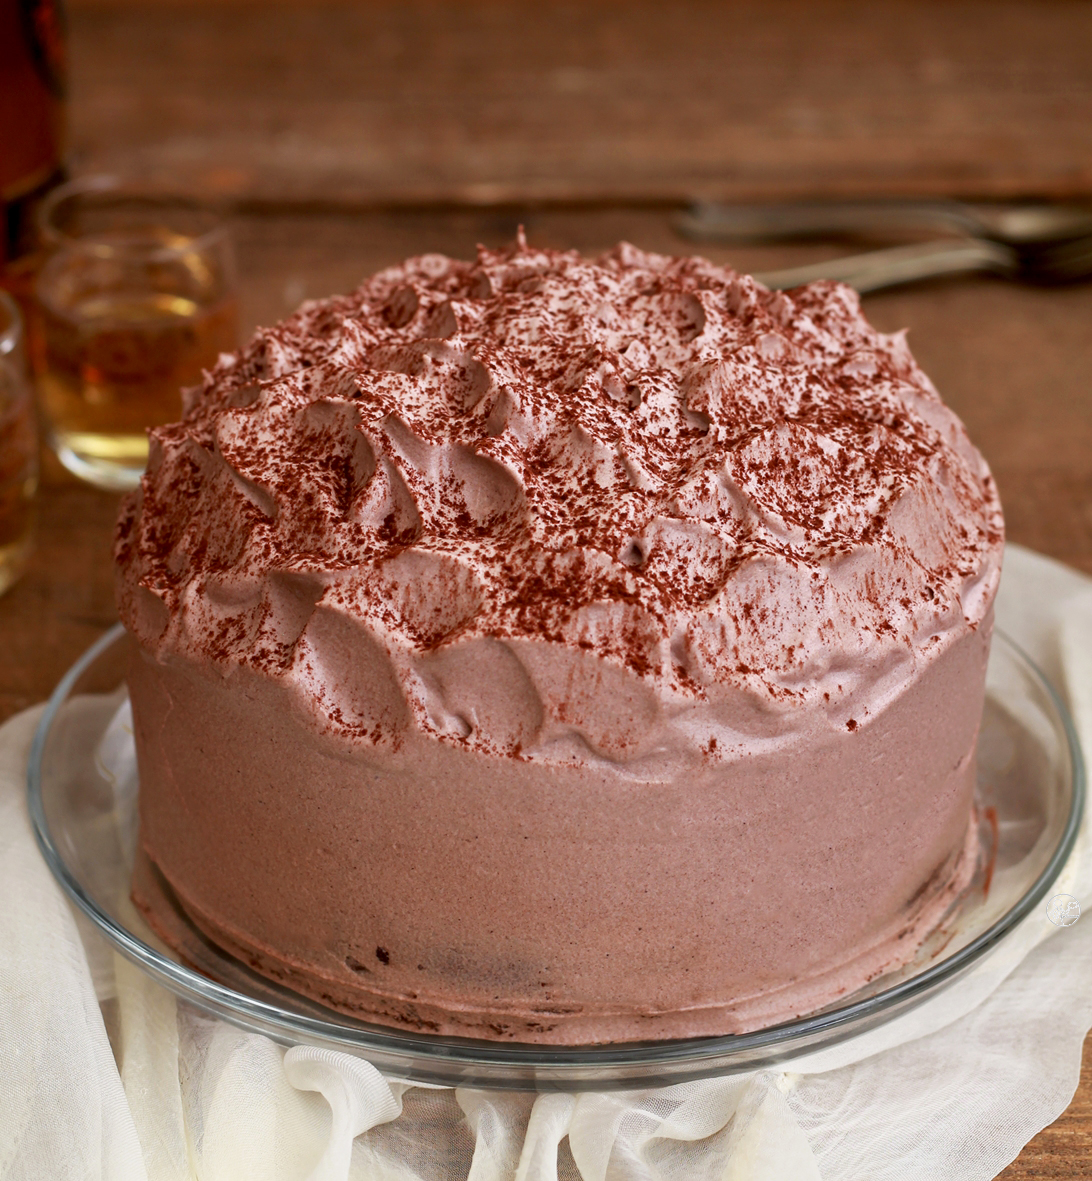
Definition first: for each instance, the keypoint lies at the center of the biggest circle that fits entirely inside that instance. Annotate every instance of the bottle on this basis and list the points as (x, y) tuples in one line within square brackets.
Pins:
[(32, 126)]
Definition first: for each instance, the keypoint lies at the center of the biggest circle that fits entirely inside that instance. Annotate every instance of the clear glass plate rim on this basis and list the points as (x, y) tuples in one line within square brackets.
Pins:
[(483, 1055)]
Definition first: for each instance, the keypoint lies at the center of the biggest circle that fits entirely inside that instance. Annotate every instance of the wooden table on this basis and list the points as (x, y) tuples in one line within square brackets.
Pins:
[(346, 137)]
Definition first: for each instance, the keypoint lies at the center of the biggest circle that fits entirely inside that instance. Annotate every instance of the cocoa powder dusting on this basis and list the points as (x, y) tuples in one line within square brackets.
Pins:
[(653, 459)]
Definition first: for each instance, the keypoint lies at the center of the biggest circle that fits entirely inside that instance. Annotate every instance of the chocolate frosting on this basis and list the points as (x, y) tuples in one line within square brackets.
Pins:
[(637, 509)]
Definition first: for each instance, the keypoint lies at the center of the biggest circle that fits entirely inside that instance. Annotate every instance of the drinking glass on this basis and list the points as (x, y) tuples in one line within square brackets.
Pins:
[(136, 298), (18, 448)]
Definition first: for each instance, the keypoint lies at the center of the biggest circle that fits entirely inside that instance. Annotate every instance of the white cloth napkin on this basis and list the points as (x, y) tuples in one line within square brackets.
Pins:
[(104, 1075)]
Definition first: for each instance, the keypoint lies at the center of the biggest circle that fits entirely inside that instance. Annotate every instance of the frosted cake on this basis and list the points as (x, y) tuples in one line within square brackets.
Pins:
[(562, 651)]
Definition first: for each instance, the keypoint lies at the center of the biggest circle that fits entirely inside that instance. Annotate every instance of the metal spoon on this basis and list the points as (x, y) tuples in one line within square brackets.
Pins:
[(1042, 244)]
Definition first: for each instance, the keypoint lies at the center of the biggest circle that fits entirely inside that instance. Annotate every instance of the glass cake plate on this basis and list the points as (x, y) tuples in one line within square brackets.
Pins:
[(1030, 794)]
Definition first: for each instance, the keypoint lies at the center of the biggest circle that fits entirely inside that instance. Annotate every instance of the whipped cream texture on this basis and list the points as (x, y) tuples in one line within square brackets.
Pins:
[(635, 509)]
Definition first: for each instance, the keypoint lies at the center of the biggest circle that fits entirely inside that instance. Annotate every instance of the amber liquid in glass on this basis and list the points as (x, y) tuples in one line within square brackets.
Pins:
[(114, 363)]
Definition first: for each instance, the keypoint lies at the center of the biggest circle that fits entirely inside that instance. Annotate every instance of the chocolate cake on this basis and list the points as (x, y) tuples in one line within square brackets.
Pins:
[(562, 651)]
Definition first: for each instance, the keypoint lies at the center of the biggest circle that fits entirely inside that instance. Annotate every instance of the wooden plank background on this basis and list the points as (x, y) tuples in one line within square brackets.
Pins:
[(485, 102)]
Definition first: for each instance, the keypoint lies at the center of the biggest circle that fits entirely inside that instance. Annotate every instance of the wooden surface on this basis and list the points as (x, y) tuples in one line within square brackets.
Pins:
[(324, 122), (419, 100)]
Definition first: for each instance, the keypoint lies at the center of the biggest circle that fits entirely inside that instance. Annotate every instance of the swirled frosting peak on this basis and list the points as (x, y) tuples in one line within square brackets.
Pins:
[(561, 508)]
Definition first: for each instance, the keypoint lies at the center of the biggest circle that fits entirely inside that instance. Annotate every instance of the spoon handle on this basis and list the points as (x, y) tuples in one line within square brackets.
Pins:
[(901, 264)]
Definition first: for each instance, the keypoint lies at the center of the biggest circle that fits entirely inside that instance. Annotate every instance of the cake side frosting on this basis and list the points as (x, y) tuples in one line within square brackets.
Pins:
[(445, 890), (635, 511)]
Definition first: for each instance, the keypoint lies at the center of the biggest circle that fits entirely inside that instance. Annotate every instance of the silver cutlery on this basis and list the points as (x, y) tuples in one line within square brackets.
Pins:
[(1041, 244)]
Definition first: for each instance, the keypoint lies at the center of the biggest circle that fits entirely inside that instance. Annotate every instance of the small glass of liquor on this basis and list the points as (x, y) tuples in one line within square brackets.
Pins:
[(18, 448), (136, 298)]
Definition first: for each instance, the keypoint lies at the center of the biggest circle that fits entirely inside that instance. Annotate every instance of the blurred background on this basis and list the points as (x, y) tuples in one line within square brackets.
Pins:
[(345, 135), (337, 138)]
